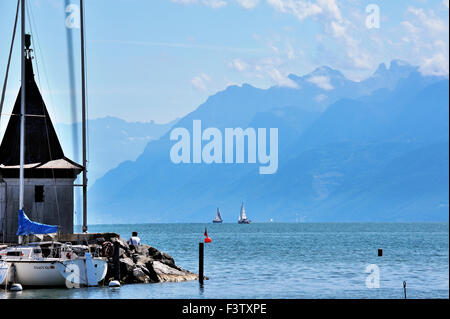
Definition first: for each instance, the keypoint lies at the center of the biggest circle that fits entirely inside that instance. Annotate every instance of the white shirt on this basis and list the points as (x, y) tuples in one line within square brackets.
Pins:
[(134, 240)]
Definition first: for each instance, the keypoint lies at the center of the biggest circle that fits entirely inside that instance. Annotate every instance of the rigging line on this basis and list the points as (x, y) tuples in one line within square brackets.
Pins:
[(31, 19), (2, 100)]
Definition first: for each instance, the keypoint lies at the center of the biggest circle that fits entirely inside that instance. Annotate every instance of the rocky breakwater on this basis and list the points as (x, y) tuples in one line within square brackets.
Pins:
[(141, 264)]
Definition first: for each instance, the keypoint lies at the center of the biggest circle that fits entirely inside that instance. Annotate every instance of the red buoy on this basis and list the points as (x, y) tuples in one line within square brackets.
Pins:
[(207, 239)]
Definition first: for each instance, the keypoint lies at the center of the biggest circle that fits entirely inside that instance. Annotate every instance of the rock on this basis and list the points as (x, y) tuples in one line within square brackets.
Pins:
[(166, 273), (140, 276), (126, 266), (141, 260), (123, 244), (152, 250), (170, 263), (168, 260), (123, 253), (158, 255), (109, 236), (142, 250), (146, 264)]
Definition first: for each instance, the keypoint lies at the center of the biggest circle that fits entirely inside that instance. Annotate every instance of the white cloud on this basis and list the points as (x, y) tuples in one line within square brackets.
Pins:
[(303, 9), (238, 65), (299, 8), (445, 3), (338, 29), (429, 40), (280, 79), (429, 21), (248, 4), (267, 68), (320, 98), (200, 82), (354, 51), (331, 8), (410, 27), (290, 52), (437, 65), (329, 14), (209, 3), (322, 82)]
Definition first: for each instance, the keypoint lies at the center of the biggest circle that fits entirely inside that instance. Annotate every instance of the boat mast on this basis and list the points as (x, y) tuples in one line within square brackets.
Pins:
[(83, 115), (22, 113)]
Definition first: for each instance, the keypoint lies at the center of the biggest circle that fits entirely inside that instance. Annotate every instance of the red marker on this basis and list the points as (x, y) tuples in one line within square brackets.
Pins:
[(207, 239)]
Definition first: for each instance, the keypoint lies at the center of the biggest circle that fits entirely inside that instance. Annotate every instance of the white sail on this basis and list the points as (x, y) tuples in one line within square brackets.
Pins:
[(243, 215), (218, 217)]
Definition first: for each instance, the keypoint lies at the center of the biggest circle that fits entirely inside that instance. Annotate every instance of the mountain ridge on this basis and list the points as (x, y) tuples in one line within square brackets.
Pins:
[(330, 150)]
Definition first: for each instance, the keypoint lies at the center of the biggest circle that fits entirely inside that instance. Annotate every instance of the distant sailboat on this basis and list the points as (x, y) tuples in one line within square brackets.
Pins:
[(243, 216), (218, 219)]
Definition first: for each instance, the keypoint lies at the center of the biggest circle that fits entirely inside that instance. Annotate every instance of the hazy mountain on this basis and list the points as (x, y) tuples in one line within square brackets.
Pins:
[(348, 151), (110, 140)]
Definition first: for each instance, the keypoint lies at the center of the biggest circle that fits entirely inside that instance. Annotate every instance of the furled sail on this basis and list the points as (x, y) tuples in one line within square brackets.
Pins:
[(28, 227)]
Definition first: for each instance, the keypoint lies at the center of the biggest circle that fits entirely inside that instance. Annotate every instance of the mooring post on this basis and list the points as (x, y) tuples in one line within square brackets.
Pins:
[(200, 262), (380, 252), (404, 288), (116, 260)]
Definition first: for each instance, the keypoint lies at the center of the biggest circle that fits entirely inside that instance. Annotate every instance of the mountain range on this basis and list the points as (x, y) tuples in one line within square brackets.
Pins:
[(374, 150), (111, 141)]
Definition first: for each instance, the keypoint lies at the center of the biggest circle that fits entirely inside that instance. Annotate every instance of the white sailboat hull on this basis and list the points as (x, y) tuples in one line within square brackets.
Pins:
[(67, 273)]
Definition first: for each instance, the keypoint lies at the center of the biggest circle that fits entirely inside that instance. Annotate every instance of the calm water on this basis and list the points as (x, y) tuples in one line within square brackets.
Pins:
[(288, 261)]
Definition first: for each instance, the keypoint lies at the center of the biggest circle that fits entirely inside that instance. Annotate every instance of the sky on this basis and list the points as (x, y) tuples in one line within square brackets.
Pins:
[(159, 60)]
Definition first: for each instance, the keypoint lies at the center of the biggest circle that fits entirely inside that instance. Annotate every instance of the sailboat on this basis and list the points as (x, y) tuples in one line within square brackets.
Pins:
[(218, 219), (43, 263), (243, 216)]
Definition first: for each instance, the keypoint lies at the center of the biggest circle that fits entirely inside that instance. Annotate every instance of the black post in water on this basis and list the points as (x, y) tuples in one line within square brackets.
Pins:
[(200, 262), (116, 260), (380, 252), (404, 288)]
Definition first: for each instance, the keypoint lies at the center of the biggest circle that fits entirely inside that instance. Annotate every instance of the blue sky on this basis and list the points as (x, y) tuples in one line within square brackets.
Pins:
[(160, 59)]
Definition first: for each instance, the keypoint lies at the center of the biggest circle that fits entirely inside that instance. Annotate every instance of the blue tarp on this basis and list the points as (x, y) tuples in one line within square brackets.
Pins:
[(27, 227)]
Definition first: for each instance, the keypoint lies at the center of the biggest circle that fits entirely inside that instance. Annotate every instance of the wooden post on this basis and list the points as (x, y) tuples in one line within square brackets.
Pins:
[(380, 252), (116, 260), (404, 288), (200, 262)]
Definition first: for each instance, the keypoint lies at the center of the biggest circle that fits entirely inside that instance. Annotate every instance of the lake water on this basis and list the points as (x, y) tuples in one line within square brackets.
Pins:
[(299, 260)]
